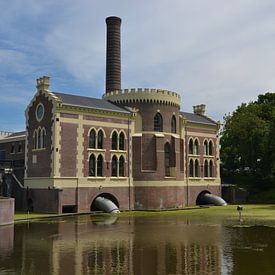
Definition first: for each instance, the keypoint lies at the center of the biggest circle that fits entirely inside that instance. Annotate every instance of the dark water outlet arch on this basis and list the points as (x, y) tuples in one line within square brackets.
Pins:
[(108, 196)]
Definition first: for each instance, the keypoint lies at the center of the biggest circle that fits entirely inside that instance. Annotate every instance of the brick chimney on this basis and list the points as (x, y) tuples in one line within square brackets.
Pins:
[(113, 62), (199, 109), (43, 83)]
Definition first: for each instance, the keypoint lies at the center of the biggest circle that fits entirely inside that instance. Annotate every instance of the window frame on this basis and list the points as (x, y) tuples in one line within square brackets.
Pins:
[(158, 122)]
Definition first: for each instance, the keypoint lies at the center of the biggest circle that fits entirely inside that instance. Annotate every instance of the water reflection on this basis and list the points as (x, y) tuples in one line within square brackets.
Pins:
[(158, 245)]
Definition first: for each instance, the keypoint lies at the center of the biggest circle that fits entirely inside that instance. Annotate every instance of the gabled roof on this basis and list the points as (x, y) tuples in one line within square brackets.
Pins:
[(89, 102), (198, 118)]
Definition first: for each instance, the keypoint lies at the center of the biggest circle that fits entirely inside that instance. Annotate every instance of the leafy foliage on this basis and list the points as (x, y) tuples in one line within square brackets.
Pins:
[(248, 140)]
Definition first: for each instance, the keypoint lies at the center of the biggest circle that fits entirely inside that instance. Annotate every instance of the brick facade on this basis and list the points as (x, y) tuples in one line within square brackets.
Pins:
[(39, 160), (68, 149)]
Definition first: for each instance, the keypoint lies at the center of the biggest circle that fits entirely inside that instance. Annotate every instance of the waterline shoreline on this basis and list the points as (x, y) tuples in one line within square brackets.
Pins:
[(251, 212)]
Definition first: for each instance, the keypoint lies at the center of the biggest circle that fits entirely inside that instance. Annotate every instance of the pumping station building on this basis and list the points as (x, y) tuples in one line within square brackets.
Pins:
[(134, 147)]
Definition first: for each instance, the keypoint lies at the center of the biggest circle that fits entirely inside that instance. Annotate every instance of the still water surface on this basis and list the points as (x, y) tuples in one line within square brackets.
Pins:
[(164, 244)]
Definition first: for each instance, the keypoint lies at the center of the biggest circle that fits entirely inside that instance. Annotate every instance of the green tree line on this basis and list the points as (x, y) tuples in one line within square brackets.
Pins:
[(248, 141)]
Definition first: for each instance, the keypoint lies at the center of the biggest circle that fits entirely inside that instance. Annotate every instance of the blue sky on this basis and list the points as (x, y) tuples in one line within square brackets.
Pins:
[(220, 53)]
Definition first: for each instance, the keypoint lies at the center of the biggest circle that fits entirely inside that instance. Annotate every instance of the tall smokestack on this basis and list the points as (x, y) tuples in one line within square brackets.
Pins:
[(113, 63)]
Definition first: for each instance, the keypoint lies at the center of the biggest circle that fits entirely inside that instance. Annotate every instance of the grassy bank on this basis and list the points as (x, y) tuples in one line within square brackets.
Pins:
[(251, 212)]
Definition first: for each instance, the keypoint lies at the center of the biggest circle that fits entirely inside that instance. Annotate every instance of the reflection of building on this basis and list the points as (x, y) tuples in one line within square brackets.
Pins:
[(134, 146), (80, 246)]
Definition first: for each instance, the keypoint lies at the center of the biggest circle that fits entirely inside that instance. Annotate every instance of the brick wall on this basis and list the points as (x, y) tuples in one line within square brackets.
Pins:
[(68, 149), (42, 166)]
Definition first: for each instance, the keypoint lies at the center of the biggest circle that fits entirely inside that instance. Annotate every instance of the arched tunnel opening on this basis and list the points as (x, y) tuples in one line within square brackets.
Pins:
[(206, 198), (105, 202)]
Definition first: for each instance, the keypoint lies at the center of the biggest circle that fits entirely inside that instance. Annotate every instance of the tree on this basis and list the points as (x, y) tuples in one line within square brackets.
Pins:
[(248, 140)]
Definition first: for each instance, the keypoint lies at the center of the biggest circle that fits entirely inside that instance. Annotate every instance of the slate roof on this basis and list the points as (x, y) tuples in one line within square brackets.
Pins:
[(89, 102), (17, 134), (198, 118)]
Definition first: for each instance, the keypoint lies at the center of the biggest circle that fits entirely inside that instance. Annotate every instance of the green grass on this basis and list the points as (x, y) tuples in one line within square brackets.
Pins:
[(256, 212), (25, 215), (250, 211)]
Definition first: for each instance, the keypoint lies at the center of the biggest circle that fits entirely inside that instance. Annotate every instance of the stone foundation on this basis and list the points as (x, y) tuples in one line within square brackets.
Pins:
[(77, 199), (6, 211), (81, 199)]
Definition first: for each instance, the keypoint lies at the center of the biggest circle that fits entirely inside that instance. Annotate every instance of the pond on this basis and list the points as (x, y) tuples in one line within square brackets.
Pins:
[(156, 244)]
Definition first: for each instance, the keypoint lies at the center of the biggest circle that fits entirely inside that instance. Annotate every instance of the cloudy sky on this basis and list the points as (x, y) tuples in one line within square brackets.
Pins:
[(217, 52)]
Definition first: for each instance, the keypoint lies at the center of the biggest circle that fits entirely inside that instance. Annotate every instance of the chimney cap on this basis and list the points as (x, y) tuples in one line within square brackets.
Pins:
[(113, 20)]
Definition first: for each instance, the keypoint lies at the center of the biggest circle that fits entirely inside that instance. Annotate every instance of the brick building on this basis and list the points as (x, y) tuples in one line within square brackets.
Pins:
[(133, 146)]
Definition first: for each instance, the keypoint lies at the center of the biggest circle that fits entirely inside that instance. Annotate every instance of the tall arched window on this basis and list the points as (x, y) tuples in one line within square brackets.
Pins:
[(205, 148), (196, 147), (158, 123), (99, 166), (114, 166), (114, 141), (211, 172), (92, 139), (92, 166), (121, 141), (167, 153), (205, 168), (173, 124), (197, 168), (211, 151), (100, 137), (35, 139), (191, 168), (39, 139), (121, 166), (43, 138), (191, 149)]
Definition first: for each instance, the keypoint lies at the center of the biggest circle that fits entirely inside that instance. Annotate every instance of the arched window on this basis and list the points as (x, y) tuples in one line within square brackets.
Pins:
[(114, 140), (99, 166), (158, 124), (197, 168), (211, 172), (191, 148), (173, 124), (121, 166), (211, 151), (92, 166), (43, 138), (39, 138), (100, 137), (19, 148), (114, 166), (196, 147), (92, 139), (121, 141), (35, 140), (205, 168), (191, 168), (167, 153), (205, 148)]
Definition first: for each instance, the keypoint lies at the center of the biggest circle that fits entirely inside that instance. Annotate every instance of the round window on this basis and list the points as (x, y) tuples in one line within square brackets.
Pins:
[(39, 111)]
